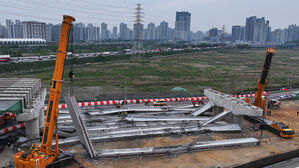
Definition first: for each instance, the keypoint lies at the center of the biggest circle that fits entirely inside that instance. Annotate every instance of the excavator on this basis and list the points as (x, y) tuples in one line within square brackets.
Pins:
[(42, 156), (275, 127)]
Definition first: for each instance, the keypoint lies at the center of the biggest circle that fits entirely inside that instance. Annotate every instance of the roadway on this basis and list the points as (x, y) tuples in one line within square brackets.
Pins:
[(292, 163)]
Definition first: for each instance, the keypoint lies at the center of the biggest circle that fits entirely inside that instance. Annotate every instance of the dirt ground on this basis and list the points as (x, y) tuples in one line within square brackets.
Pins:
[(270, 145)]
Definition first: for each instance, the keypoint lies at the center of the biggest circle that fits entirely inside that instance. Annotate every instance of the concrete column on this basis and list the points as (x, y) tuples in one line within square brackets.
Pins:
[(238, 119), (217, 110), (32, 129)]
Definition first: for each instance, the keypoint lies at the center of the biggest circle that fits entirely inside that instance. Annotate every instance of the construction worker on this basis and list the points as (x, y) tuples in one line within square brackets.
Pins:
[(194, 104)]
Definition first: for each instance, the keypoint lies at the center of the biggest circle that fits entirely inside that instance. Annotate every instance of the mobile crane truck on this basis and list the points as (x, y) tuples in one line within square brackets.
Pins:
[(278, 128), (42, 156)]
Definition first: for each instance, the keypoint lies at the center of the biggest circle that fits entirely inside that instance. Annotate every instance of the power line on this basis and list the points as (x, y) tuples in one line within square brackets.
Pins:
[(28, 9), (105, 6), (81, 9)]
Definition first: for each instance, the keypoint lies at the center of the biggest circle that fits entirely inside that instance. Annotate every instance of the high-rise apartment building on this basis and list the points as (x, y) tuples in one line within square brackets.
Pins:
[(238, 33), (257, 29), (9, 24), (79, 32), (33, 29), (163, 32), (3, 31), (182, 25), (17, 30), (123, 31), (104, 32), (151, 32), (114, 33), (92, 33)]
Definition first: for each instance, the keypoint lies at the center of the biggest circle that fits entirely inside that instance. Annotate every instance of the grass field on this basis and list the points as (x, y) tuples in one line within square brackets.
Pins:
[(218, 69)]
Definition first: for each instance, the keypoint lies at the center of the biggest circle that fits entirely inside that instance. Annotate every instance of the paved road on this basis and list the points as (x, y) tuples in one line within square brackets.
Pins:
[(276, 95), (292, 163)]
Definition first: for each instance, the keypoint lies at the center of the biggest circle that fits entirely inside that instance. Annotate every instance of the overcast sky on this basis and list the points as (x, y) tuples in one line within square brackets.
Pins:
[(204, 13)]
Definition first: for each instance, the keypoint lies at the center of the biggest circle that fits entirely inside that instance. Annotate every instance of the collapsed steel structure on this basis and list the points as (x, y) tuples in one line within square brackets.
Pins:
[(108, 124), (198, 146)]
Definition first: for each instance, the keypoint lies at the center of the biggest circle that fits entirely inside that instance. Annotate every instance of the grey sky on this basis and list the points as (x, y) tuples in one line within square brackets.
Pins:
[(204, 13)]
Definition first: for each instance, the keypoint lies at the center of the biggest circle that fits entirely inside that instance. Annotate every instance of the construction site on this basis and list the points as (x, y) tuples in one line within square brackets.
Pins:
[(42, 127)]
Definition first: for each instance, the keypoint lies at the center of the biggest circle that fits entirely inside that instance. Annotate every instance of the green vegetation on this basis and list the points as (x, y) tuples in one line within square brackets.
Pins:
[(52, 48), (243, 46), (160, 73)]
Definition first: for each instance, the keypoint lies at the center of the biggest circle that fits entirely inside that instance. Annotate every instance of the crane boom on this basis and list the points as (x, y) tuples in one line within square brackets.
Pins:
[(44, 155), (56, 84), (258, 100)]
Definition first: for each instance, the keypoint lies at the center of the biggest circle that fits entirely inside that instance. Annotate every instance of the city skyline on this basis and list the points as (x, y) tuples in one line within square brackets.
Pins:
[(205, 15), (256, 30)]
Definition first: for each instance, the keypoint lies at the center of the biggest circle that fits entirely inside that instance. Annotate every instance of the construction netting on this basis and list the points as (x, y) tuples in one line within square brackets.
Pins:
[(12, 106)]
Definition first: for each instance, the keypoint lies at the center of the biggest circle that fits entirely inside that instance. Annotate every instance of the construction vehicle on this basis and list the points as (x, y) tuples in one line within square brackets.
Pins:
[(42, 156), (273, 104), (160, 102), (259, 101), (277, 128)]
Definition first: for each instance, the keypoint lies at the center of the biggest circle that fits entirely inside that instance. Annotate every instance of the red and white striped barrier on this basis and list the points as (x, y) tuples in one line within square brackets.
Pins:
[(249, 95), (113, 102), (12, 128)]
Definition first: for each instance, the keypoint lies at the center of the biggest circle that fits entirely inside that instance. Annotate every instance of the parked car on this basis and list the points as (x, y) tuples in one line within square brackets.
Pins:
[(160, 102)]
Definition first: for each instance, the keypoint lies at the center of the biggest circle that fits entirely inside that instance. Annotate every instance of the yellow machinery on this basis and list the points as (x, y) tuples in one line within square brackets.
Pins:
[(41, 157), (275, 127), (258, 100)]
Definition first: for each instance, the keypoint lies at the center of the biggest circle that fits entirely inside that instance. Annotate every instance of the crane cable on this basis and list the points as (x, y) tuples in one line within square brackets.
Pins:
[(71, 72)]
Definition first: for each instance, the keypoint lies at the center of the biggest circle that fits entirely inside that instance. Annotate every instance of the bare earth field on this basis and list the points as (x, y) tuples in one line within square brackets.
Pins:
[(270, 145)]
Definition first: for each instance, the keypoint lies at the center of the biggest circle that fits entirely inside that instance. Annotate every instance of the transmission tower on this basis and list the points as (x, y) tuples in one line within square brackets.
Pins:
[(137, 45)]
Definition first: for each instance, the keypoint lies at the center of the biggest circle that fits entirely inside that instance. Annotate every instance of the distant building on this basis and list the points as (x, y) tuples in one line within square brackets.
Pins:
[(3, 31), (33, 29), (9, 24), (182, 25), (163, 32), (114, 33), (291, 34), (123, 31), (49, 32), (17, 30), (257, 29), (238, 33), (92, 33), (151, 32), (79, 32), (277, 36), (104, 32), (213, 32), (55, 32)]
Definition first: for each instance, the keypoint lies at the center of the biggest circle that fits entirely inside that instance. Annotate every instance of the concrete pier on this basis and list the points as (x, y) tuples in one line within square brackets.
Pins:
[(32, 97)]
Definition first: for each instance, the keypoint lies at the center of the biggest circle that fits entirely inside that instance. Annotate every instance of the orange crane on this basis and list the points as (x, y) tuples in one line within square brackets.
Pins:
[(275, 127), (41, 157), (258, 100)]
